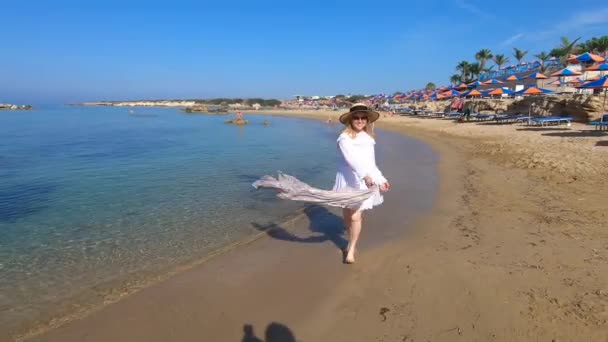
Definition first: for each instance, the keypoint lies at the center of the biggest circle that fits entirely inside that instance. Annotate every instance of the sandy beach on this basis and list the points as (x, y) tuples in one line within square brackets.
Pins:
[(515, 248)]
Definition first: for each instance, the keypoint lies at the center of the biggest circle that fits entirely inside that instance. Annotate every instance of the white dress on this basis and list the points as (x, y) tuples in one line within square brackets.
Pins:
[(357, 160)]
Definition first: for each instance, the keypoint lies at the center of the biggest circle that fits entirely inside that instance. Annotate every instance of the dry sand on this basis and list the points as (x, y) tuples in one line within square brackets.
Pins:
[(516, 249)]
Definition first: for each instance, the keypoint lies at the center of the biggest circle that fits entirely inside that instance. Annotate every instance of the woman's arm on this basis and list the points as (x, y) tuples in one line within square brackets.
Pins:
[(379, 177)]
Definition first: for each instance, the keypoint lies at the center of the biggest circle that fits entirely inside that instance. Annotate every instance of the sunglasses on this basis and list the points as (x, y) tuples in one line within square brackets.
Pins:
[(359, 117)]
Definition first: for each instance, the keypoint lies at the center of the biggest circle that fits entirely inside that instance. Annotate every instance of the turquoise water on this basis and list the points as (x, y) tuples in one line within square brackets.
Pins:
[(94, 200)]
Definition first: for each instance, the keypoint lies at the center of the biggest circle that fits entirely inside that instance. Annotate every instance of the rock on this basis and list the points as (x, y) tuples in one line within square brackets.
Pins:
[(238, 122)]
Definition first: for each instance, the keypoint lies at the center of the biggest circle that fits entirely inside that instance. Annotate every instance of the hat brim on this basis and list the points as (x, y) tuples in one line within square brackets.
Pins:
[(371, 116)]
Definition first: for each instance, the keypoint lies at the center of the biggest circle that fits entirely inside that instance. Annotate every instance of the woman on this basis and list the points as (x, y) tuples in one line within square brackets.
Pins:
[(357, 169)]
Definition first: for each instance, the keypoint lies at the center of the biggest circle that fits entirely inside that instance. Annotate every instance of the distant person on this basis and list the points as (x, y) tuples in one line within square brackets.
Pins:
[(357, 169)]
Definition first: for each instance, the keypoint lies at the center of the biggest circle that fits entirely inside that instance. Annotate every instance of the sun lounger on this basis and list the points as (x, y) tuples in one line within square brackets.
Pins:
[(510, 118), (483, 117), (453, 115), (550, 120), (602, 124)]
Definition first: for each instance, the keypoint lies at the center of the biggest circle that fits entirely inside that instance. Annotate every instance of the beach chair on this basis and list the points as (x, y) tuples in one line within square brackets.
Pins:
[(550, 120), (602, 124), (483, 117), (510, 118)]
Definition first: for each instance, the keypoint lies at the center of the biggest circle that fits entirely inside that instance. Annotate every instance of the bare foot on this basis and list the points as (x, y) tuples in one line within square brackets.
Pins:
[(349, 257)]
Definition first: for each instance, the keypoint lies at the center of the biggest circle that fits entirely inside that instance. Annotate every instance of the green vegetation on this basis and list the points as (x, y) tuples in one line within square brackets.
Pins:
[(519, 54)]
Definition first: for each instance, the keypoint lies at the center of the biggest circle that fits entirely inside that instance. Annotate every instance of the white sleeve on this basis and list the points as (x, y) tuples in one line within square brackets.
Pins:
[(378, 176), (349, 151)]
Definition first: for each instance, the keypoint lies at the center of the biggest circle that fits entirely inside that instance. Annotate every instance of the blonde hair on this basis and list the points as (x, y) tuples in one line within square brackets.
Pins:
[(350, 131)]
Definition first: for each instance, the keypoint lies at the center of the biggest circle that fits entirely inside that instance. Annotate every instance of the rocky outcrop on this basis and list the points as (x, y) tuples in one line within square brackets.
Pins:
[(8, 106), (582, 107)]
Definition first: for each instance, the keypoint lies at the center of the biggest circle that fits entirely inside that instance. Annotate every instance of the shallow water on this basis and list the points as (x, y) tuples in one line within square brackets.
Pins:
[(94, 200)]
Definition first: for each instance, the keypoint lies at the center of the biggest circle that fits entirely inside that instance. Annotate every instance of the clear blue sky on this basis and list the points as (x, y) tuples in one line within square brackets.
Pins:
[(67, 51)]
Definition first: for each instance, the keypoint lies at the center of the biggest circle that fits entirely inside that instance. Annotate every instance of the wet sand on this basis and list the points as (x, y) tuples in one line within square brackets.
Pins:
[(514, 249)]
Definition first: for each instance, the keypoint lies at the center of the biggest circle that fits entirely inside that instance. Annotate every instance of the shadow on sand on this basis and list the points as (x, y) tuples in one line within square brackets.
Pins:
[(579, 134), (544, 129), (323, 224), (602, 143), (275, 332)]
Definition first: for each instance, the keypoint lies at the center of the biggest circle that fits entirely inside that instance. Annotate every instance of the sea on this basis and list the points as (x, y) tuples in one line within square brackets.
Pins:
[(97, 202)]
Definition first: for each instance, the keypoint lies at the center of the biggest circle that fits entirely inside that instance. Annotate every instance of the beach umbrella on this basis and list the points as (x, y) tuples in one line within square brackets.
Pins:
[(589, 58), (557, 83), (500, 91), (451, 93), (598, 67), (513, 78), (471, 93), (565, 72), (533, 91), (462, 86), (572, 59), (537, 76), (474, 84), (492, 81), (576, 80), (436, 96), (602, 83)]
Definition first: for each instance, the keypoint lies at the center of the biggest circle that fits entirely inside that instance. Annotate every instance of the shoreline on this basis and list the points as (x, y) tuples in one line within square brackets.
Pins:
[(503, 231), (128, 288)]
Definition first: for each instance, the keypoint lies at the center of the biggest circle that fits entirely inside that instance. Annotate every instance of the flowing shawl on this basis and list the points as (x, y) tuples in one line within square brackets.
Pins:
[(291, 188)]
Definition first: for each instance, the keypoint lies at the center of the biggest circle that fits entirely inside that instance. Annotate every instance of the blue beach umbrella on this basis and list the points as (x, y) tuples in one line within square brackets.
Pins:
[(532, 91), (589, 57), (501, 91), (492, 81), (602, 83), (513, 78), (538, 76), (598, 67), (565, 72), (451, 92)]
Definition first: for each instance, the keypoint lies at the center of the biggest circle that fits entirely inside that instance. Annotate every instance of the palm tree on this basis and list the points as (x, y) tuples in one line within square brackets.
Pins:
[(597, 45), (565, 49), (463, 67), (454, 79), (542, 57), (519, 54), (430, 86), (500, 60), (482, 56), (567, 46), (475, 70)]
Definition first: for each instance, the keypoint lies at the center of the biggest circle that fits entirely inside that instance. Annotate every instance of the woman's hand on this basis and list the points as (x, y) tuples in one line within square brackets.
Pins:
[(384, 187), (368, 181)]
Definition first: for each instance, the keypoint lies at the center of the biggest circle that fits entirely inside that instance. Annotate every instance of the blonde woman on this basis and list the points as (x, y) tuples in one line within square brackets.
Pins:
[(357, 169)]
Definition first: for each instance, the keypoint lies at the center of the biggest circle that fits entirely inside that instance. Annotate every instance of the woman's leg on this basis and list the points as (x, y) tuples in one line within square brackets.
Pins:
[(346, 215), (354, 231)]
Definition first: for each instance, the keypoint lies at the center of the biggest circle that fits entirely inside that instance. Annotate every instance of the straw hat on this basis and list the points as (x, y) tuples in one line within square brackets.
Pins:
[(359, 108)]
